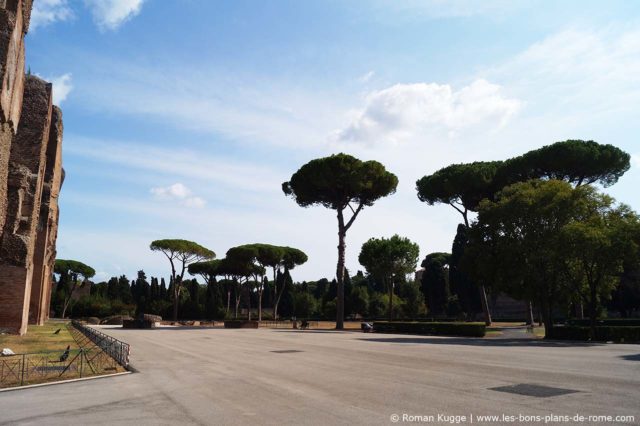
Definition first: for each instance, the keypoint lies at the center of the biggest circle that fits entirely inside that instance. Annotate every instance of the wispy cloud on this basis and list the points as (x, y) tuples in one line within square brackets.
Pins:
[(215, 170), (61, 88), (110, 14), (439, 9), (46, 12), (241, 107), (178, 192), (570, 75), (364, 78), (400, 111), (578, 70)]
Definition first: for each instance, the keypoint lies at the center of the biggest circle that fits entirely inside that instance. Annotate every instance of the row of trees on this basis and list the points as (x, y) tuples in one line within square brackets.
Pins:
[(244, 269), (72, 275), (542, 234), (365, 297), (553, 245), (347, 185), (533, 227), (242, 275)]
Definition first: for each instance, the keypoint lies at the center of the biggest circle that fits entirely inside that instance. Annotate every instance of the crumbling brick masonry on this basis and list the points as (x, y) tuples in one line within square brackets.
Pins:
[(30, 178)]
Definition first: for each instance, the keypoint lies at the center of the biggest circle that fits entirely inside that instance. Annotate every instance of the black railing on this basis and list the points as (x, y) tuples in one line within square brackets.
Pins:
[(98, 354), (27, 369), (288, 323), (88, 336)]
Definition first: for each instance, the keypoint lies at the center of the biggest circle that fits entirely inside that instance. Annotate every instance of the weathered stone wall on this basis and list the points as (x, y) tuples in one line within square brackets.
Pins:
[(12, 78), (47, 232), (30, 178), (27, 164)]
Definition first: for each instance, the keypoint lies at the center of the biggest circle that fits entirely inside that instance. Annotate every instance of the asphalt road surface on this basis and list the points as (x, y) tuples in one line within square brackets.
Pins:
[(228, 377)]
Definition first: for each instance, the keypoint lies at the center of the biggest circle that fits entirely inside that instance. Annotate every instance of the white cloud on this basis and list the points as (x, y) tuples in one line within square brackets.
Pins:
[(577, 71), (178, 192), (47, 12), (110, 14), (364, 78), (558, 76), (635, 160), (241, 107), (61, 88), (403, 110), (439, 9)]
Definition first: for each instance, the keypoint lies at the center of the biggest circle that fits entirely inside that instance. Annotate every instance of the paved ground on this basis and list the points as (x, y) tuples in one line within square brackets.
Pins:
[(217, 376)]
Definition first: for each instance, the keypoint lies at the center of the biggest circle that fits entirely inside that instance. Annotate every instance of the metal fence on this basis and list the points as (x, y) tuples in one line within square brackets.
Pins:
[(88, 336), (98, 354), (26, 369), (286, 323)]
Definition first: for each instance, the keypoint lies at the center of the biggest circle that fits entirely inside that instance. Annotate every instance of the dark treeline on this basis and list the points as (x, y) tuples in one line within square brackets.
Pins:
[(364, 298)]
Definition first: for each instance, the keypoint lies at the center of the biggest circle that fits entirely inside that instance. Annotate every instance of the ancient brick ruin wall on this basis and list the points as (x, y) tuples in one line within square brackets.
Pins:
[(12, 77), (47, 231), (30, 178)]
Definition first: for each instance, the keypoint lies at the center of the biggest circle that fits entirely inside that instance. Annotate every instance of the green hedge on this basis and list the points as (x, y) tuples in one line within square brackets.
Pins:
[(240, 324), (624, 334), (617, 322), (466, 329)]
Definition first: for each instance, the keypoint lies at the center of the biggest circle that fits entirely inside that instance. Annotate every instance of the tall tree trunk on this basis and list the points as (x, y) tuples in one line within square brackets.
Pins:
[(278, 293), (530, 320), (580, 310), (260, 305), (274, 295), (593, 310), (248, 300), (340, 273), (390, 300), (228, 302), (238, 297), (548, 322), (483, 291), (539, 318), (547, 316), (67, 299), (66, 304), (485, 305), (176, 295)]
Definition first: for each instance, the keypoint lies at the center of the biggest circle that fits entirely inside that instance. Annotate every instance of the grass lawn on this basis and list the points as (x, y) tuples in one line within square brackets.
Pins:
[(44, 361), (40, 339)]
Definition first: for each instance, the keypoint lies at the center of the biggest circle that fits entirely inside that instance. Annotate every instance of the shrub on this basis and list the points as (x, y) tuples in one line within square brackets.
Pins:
[(240, 324), (626, 334), (617, 322), (304, 305), (377, 305), (359, 300), (329, 309), (467, 329), (115, 320)]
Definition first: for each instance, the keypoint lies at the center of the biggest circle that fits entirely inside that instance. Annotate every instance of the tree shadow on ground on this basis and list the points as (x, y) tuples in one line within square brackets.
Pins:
[(293, 330), (477, 341), (186, 327), (635, 357)]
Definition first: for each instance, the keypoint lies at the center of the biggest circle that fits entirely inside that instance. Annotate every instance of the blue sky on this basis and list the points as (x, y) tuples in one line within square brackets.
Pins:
[(182, 118)]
